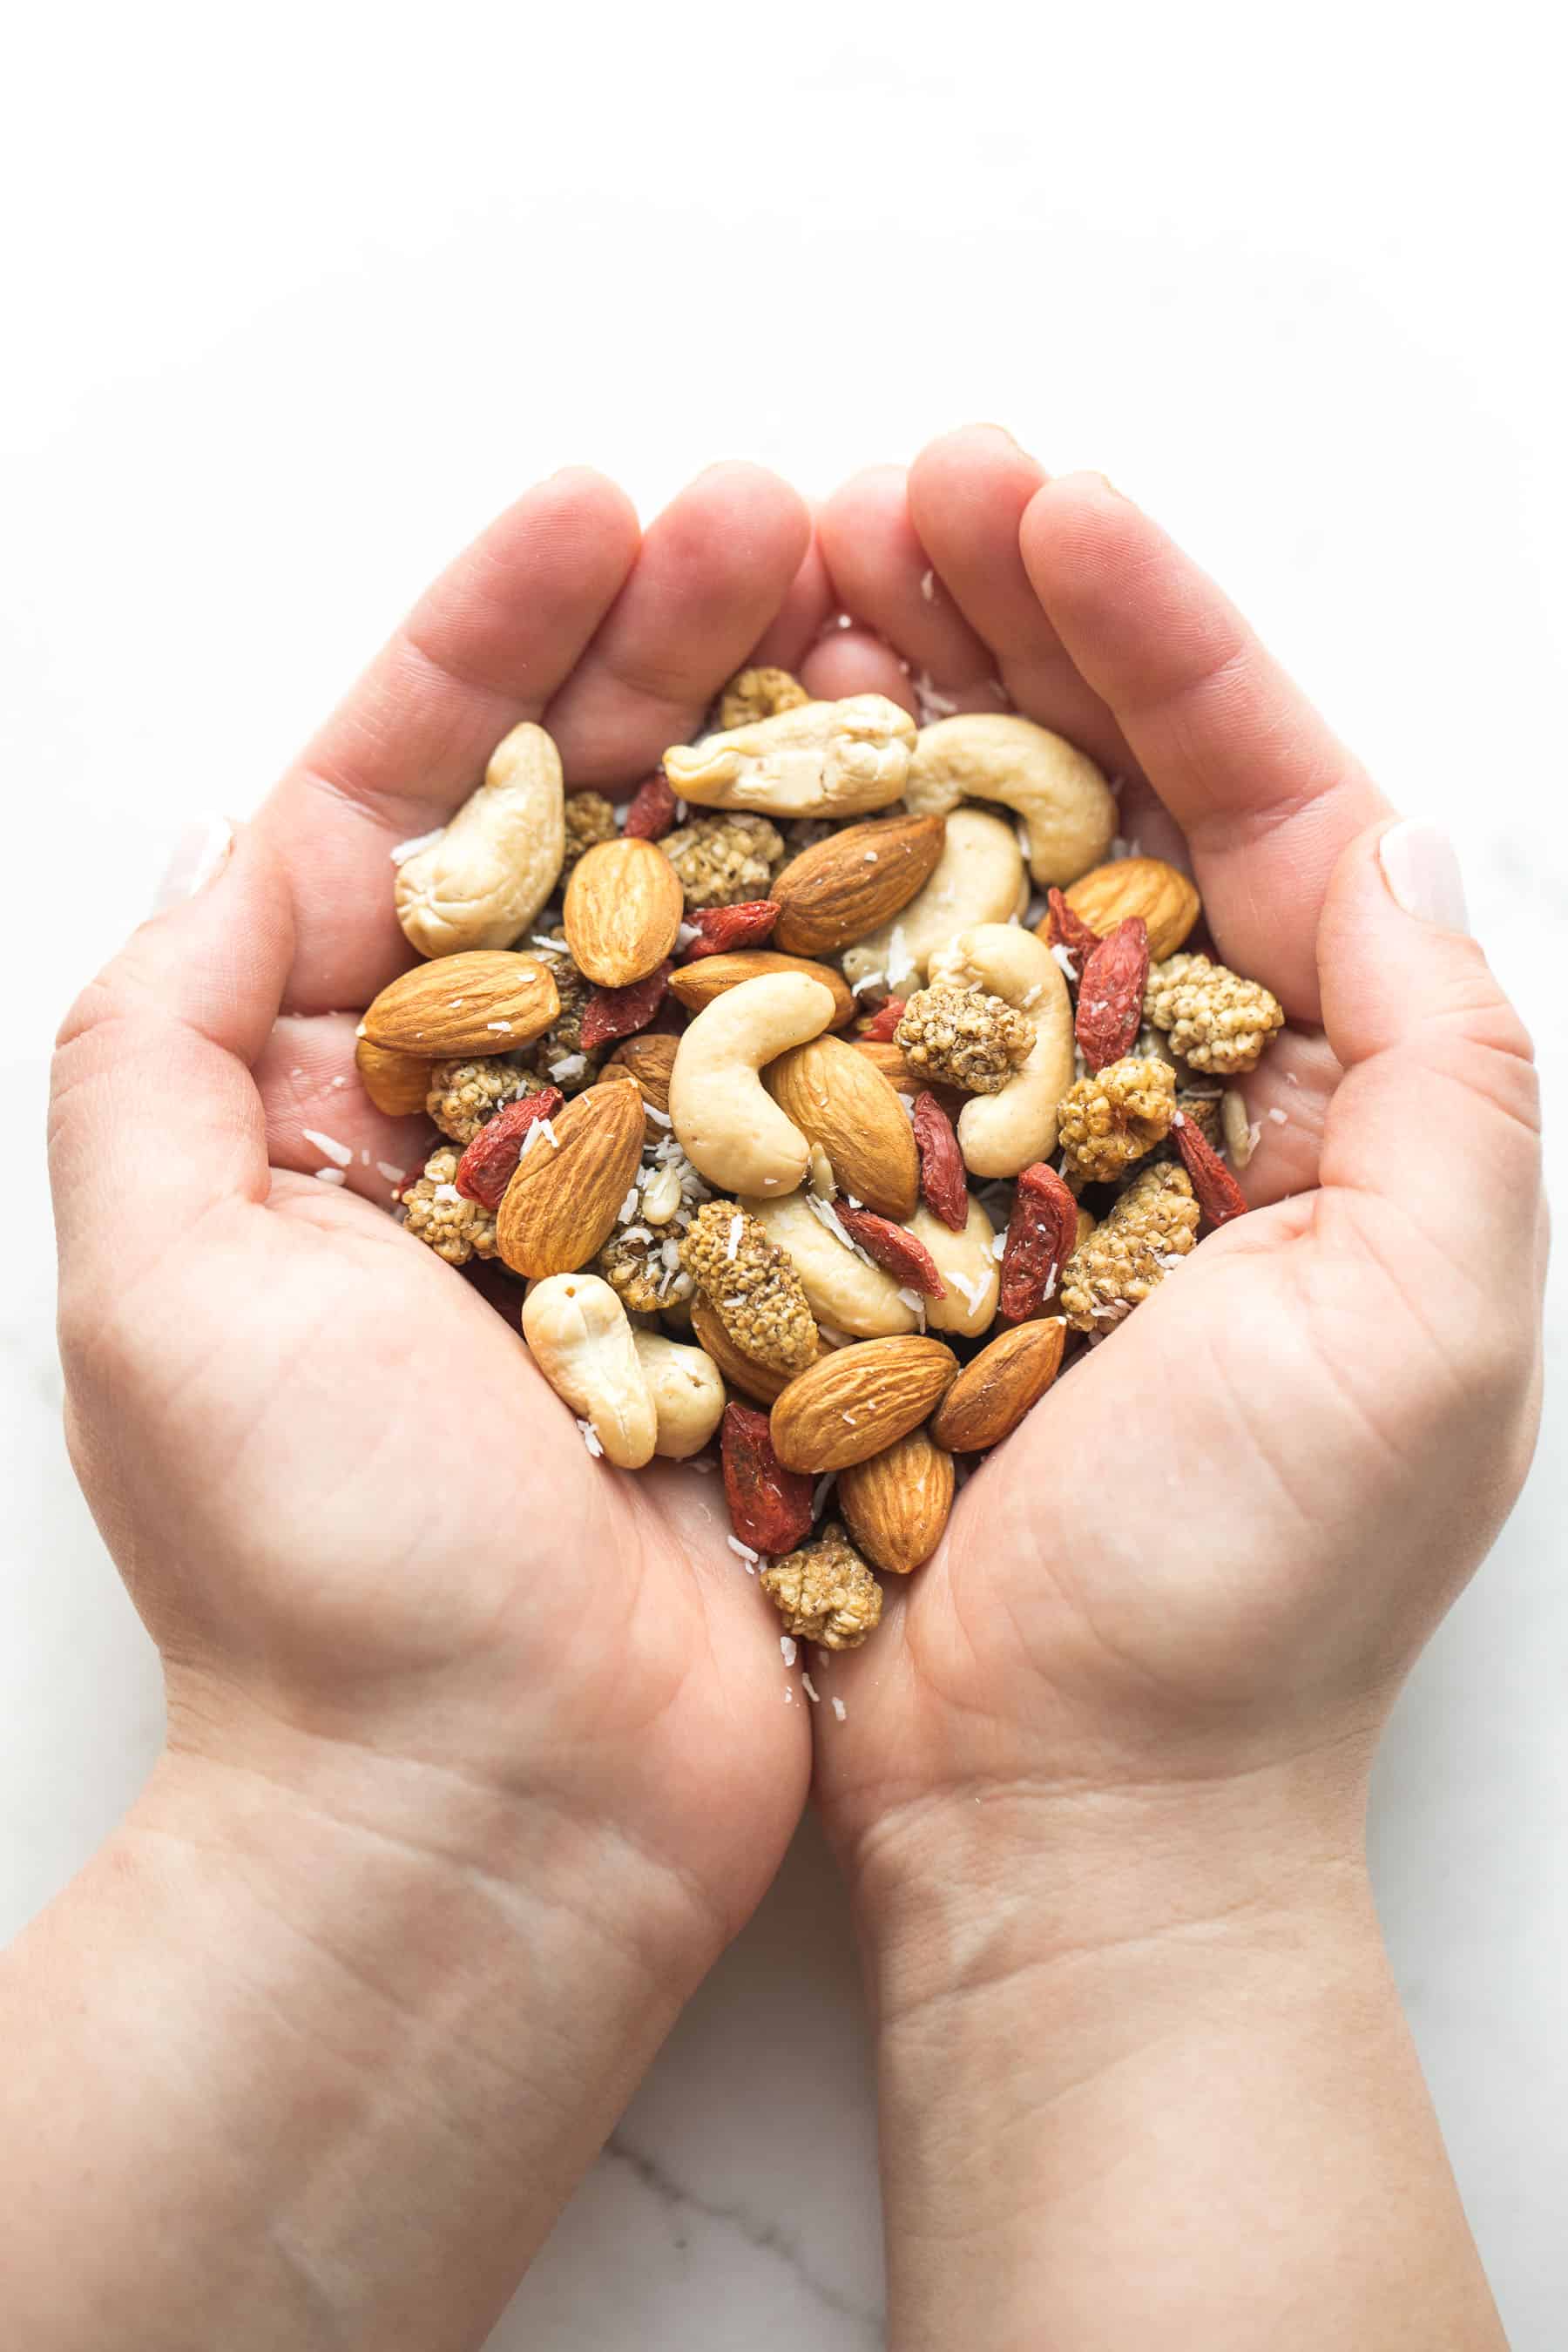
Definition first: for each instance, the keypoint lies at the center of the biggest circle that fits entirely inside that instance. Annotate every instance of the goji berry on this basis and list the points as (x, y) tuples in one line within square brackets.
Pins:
[(1110, 993), (1041, 1236), (651, 812), (622, 1012), (878, 1030), (1220, 1196), (944, 1182), (723, 927), (487, 1165), (770, 1506), (1068, 930), (897, 1251)]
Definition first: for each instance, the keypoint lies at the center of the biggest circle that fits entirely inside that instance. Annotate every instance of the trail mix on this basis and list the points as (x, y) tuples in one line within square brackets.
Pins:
[(822, 1101)]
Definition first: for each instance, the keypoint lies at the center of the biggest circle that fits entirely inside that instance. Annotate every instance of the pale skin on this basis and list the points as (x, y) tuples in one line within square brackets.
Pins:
[(477, 1756)]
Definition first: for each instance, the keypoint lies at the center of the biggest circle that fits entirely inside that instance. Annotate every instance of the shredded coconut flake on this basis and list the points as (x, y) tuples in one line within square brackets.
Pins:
[(808, 1688), (330, 1176), (787, 1649), (742, 1551), (1280, 1117), (872, 980), (406, 849), (839, 1709), (342, 1153), (393, 1175), (737, 1227), (899, 967), (928, 586), (503, 1025), (590, 1438), (660, 1117), (570, 1066), (819, 1494), (974, 1292)]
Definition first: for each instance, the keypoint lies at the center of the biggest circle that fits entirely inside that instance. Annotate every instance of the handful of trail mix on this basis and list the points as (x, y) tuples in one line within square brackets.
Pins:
[(827, 1098)]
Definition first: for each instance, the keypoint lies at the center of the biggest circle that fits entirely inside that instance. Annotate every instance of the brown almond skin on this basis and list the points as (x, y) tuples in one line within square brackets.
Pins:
[(885, 1387), (897, 1503), (840, 1099), (396, 1084), (561, 1205), (696, 984), (1162, 894), (761, 1383), (621, 912), (996, 1388), (650, 1061), (456, 1004), (884, 1055), (843, 887)]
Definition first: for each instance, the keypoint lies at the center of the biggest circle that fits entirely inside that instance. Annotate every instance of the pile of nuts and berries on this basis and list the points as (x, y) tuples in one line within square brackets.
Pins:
[(830, 1096)]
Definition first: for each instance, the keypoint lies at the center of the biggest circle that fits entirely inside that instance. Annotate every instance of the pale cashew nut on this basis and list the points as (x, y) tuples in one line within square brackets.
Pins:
[(841, 1289), (577, 1331), (733, 1132), (978, 878), (821, 759), (484, 879), (990, 755), (967, 1262), (1000, 1133), (687, 1391)]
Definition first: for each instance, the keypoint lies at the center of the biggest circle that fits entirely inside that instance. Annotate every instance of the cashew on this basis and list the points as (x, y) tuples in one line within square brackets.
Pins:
[(841, 1289), (821, 759), (978, 878), (969, 1268), (990, 755), (484, 880), (583, 1345), (687, 1391), (731, 1130), (998, 1134)]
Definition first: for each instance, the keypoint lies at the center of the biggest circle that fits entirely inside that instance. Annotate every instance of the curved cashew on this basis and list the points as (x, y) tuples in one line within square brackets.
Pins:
[(998, 1134), (687, 1391), (969, 1268), (482, 882), (990, 755), (841, 1289), (731, 1130), (577, 1331), (978, 878), (821, 759)]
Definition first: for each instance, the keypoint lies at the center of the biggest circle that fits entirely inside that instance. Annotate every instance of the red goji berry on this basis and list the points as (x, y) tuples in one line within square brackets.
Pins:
[(1110, 993), (1041, 1236), (1220, 1196), (622, 1012), (651, 812), (487, 1165), (944, 1181), (770, 1506), (895, 1249), (878, 1030), (723, 927), (1068, 930)]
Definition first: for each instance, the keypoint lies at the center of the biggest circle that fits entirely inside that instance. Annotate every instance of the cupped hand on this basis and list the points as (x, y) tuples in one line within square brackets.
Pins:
[(1217, 1543), (351, 1513)]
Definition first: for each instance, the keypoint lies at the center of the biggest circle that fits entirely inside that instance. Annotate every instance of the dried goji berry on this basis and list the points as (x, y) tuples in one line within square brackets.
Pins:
[(1041, 1236), (622, 1012), (944, 1182), (723, 927), (770, 1506), (1068, 930), (878, 1030), (652, 809), (1110, 993), (1220, 1196), (487, 1166), (906, 1259)]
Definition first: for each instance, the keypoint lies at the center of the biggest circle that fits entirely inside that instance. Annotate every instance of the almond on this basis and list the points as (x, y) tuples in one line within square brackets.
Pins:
[(488, 1001), (650, 1061), (884, 1055), (562, 1203), (696, 984), (896, 1505), (622, 910), (759, 1381), (844, 887), (396, 1084), (841, 1101), (859, 1400), (996, 1388), (1162, 894)]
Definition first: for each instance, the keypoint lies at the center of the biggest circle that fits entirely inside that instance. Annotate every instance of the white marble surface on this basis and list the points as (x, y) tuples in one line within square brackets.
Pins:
[(301, 315)]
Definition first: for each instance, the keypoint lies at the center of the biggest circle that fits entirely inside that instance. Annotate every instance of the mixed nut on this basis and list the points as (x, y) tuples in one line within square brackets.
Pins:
[(824, 1098)]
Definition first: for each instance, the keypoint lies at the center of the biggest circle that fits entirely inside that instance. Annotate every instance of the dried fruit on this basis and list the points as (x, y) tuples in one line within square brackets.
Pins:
[(770, 1506), (899, 1252), (621, 912), (1153, 1226), (622, 1012), (722, 929), (963, 1037), (1041, 1235), (825, 1592), (437, 1214), (1064, 928), (1160, 893), (944, 1180), (882, 1025), (897, 1503), (487, 1000), (461, 1096), (589, 819), (753, 1379), (1220, 1196), (564, 1195), (847, 886), (696, 984), (752, 1286), (836, 1098), (633, 1262), (1111, 994), (722, 861), (488, 1162), (651, 810), (1110, 1120), (1215, 1020), (858, 1401), (996, 1388), (757, 694)]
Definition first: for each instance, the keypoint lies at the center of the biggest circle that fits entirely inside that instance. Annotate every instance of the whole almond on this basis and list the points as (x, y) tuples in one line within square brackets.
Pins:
[(896, 1505), (859, 1400), (562, 1203), (696, 984), (841, 1101), (884, 1055), (650, 1061), (622, 910), (996, 1388), (396, 1084), (488, 1001), (1162, 894), (761, 1383), (844, 887)]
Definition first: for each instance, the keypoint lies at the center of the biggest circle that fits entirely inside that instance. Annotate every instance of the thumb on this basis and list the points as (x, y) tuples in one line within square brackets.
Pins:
[(153, 1113), (1439, 1109)]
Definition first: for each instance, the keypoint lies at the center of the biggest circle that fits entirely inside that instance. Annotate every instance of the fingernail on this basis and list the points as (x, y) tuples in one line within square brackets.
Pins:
[(1421, 868), (200, 853)]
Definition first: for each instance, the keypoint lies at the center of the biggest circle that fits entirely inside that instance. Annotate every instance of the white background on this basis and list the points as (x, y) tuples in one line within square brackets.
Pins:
[(296, 299)]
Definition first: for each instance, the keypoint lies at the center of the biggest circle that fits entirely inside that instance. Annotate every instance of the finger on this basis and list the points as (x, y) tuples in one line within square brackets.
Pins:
[(800, 620), (884, 579), (852, 661), (319, 1121), (154, 1116), (968, 493), (1265, 795), (1286, 1104), (712, 574), (485, 647)]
